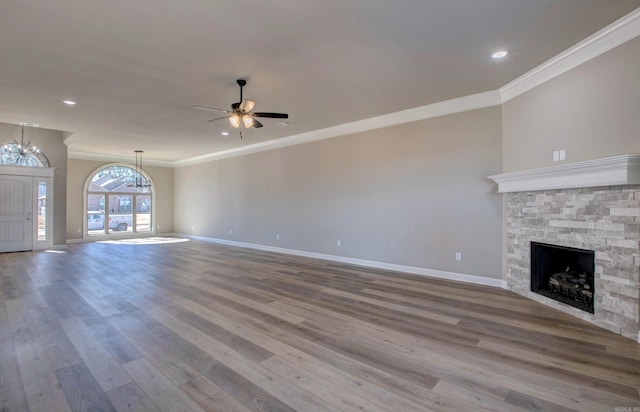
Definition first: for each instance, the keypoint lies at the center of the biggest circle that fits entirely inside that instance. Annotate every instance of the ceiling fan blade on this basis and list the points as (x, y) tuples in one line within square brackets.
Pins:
[(210, 108), (247, 105), (217, 118), (256, 124), (271, 115)]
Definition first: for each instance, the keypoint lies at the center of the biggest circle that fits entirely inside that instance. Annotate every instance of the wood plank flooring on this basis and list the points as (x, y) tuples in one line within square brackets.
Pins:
[(194, 326)]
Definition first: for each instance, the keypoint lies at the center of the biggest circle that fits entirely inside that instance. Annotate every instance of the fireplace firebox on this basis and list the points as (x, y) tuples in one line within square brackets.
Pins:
[(564, 274)]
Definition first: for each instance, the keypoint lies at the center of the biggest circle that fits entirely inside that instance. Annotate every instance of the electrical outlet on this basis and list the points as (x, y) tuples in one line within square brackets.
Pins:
[(556, 155), (458, 256), (278, 236), (193, 228), (563, 154), (339, 243), (230, 231)]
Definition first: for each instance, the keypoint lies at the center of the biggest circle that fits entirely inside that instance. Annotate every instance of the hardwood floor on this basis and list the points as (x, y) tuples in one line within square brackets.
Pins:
[(194, 326)]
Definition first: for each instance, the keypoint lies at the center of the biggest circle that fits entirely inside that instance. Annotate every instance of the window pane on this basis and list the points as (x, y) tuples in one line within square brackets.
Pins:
[(143, 213), (119, 179), (42, 211), (120, 215), (95, 214), (121, 198), (22, 154)]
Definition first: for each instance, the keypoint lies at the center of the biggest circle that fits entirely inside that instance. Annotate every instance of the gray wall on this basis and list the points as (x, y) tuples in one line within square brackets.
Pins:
[(79, 171), (412, 195), (592, 111), (51, 144)]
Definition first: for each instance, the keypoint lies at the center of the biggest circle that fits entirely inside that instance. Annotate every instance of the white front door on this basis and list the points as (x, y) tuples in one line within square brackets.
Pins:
[(16, 213)]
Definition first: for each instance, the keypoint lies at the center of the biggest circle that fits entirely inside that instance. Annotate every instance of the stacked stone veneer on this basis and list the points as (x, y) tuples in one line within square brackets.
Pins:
[(603, 219)]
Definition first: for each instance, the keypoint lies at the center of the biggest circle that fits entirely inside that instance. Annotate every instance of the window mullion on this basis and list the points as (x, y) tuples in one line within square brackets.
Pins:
[(120, 200)]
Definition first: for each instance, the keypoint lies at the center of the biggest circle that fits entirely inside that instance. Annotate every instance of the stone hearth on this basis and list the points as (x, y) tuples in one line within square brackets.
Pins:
[(605, 219)]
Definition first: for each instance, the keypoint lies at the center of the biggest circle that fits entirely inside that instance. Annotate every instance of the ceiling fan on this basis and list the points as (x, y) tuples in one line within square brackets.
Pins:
[(241, 112)]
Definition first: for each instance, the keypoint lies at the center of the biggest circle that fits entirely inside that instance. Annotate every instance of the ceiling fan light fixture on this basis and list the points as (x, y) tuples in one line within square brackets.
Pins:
[(241, 113), (247, 120), (247, 105), (234, 120)]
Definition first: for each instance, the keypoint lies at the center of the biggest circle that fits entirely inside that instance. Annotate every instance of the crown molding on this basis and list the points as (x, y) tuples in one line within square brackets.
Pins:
[(609, 171), (615, 34), (67, 138), (458, 105), (100, 157), (462, 104)]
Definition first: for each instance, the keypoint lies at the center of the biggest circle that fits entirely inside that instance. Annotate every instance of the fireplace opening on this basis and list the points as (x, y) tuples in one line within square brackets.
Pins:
[(564, 274)]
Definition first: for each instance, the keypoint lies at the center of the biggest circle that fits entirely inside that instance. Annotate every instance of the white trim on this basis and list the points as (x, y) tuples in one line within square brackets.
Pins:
[(462, 104), (117, 235), (615, 34), (610, 171), (66, 138), (460, 277), (116, 158), (459, 105), (37, 175), (27, 171)]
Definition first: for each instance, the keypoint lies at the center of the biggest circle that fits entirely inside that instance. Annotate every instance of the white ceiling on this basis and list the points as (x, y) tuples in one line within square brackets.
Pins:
[(136, 67)]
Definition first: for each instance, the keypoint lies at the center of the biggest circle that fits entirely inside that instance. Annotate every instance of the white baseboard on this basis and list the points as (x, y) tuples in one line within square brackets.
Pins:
[(461, 277)]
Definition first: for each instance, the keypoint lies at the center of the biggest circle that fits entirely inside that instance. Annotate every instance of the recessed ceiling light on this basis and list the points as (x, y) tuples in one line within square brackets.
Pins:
[(500, 54), (29, 124), (69, 102), (225, 133)]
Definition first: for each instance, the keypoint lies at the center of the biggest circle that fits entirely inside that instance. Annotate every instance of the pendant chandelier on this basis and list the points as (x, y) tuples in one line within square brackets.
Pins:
[(22, 154), (139, 180)]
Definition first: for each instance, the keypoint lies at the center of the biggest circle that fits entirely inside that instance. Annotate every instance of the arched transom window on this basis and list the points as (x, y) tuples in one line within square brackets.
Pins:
[(119, 199), (22, 154)]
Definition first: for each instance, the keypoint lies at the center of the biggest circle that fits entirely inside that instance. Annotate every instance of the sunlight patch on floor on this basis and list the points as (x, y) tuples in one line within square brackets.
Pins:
[(145, 241)]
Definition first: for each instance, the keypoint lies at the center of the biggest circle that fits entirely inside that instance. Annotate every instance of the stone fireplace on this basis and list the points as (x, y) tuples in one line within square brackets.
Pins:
[(590, 206)]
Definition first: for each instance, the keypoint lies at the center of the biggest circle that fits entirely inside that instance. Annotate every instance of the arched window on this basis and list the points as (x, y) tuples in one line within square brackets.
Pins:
[(22, 154), (119, 199)]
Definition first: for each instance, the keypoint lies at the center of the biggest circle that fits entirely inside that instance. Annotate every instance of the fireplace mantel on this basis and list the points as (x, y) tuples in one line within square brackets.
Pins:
[(609, 171)]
